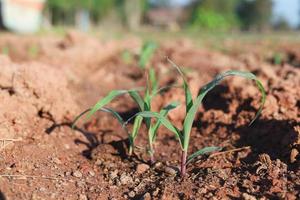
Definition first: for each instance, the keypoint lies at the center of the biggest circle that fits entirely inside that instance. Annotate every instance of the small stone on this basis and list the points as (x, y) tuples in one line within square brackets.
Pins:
[(147, 196), (80, 184), (56, 161), (155, 193), (77, 174), (141, 168), (170, 171), (131, 194), (157, 165), (118, 183), (83, 197), (98, 162), (294, 154), (248, 197), (124, 179), (67, 173), (91, 173), (113, 175)]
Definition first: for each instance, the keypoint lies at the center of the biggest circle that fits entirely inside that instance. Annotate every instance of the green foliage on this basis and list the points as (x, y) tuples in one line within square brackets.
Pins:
[(144, 104), (5, 50), (215, 15), (212, 20), (64, 11), (33, 51), (277, 58), (203, 151), (127, 57), (99, 106), (191, 109), (147, 52), (255, 14)]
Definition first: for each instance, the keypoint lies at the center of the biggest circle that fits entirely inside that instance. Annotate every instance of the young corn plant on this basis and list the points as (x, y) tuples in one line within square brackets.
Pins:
[(151, 91), (144, 104), (191, 107), (99, 106), (147, 52)]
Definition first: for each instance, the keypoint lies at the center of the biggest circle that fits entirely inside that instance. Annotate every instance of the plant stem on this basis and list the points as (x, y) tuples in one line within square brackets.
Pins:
[(152, 160), (183, 163), (130, 150), (151, 153)]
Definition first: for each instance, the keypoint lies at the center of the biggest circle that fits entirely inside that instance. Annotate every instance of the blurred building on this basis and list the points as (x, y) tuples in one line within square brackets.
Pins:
[(22, 16)]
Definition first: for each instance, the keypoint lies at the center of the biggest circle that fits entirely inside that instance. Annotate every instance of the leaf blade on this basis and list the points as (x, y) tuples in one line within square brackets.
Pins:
[(202, 151), (164, 113), (107, 110), (107, 99), (164, 121), (187, 91), (148, 50), (188, 122)]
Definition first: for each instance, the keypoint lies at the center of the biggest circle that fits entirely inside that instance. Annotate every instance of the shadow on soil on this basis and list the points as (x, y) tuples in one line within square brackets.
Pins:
[(273, 137), (222, 103), (2, 197), (93, 139)]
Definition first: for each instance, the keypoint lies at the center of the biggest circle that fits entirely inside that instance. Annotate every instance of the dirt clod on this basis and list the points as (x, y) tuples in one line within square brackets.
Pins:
[(141, 168), (77, 174), (248, 197), (170, 171), (125, 179)]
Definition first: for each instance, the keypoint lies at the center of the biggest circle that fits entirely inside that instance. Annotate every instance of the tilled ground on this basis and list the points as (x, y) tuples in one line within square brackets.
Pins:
[(45, 82)]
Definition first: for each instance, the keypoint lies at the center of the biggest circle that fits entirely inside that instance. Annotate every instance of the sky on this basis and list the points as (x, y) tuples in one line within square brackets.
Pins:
[(288, 9)]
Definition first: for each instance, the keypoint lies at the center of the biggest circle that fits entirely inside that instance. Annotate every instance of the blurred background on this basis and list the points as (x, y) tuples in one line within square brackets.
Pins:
[(28, 16)]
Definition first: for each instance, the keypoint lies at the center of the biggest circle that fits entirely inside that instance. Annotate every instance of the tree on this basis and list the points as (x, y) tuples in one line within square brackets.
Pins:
[(281, 24), (214, 14), (255, 14), (129, 12)]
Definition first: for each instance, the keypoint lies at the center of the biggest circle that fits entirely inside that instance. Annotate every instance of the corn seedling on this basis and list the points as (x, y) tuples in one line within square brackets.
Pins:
[(191, 109), (33, 51), (5, 50), (147, 52), (151, 91), (99, 106), (144, 104)]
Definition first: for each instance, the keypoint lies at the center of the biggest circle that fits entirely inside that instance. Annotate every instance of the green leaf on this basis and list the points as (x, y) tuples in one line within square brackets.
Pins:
[(136, 126), (107, 99), (187, 91), (153, 81), (188, 122), (107, 110), (147, 107), (164, 113), (163, 120), (203, 151), (163, 89), (137, 98), (146, 53)]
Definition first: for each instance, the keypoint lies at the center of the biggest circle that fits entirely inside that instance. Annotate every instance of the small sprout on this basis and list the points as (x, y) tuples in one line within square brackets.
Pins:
[(277, 58), (147, 52), (5, 50), (33, 51), (151, 91), (127, 57), (144, 104), (191, 109), (99, 106)]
